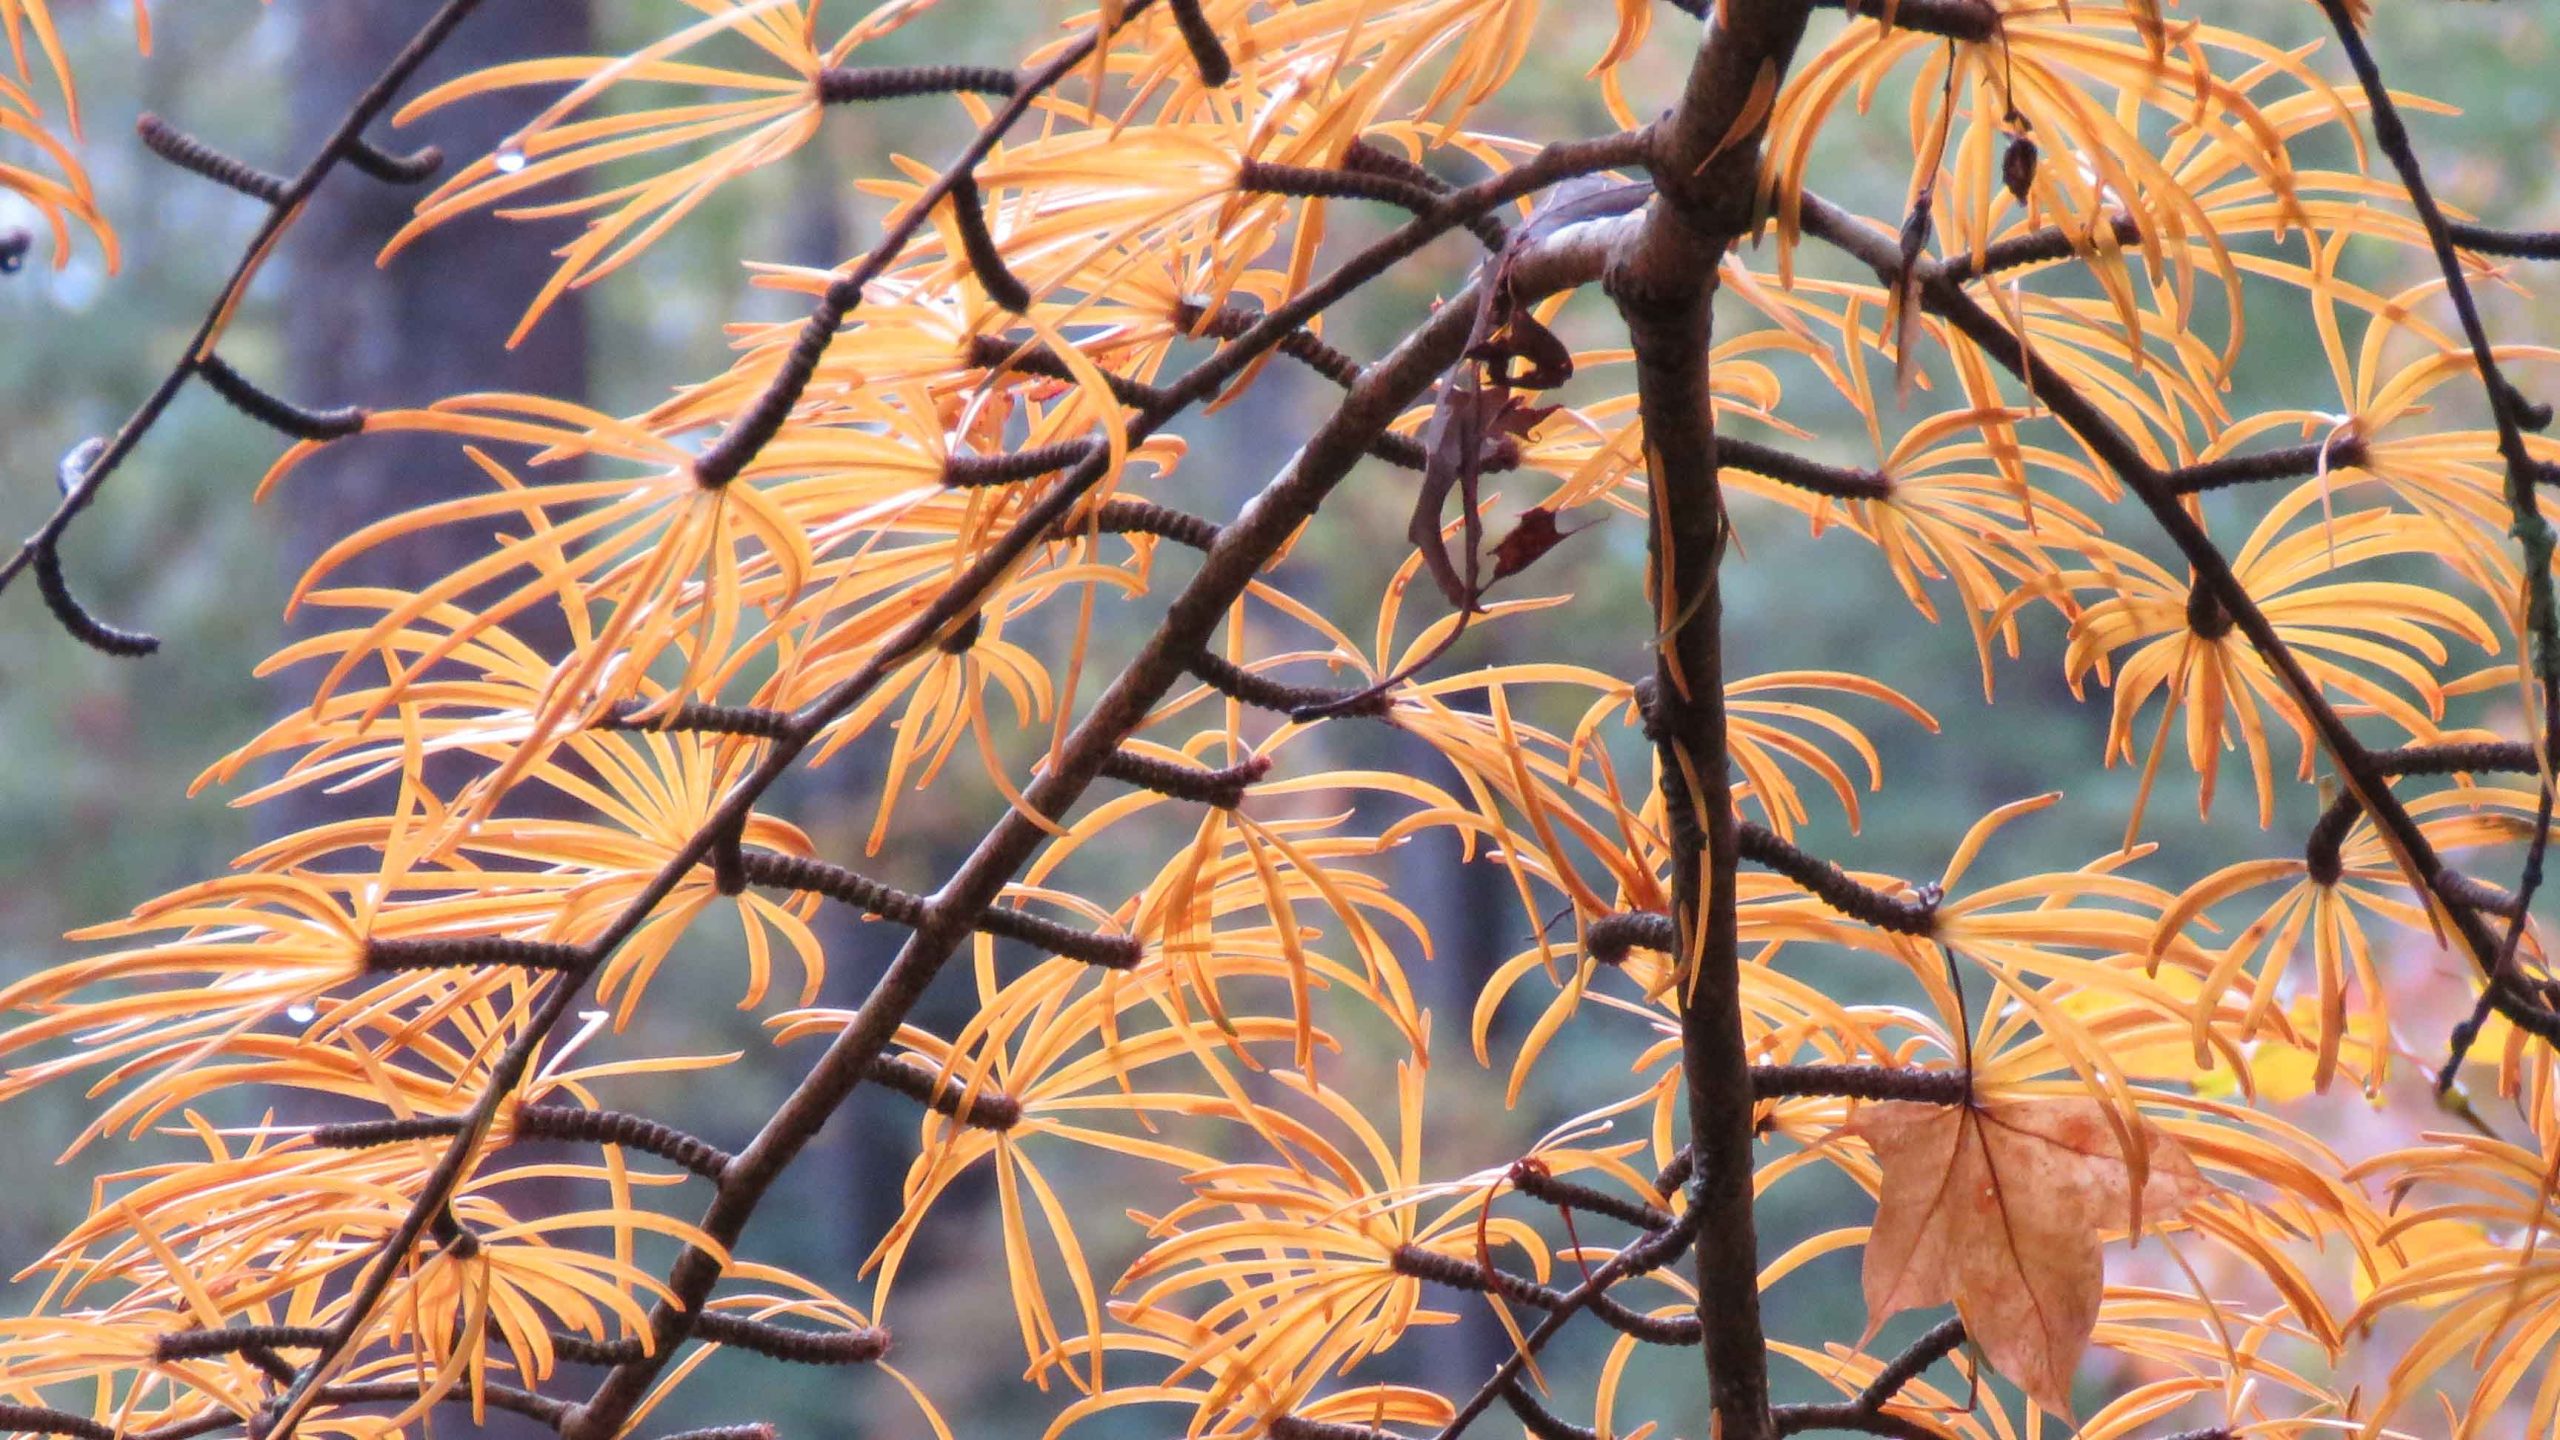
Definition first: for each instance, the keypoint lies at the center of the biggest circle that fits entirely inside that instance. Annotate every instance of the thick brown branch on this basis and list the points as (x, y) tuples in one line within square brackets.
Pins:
[(2291, 463), (1262, 177), (929, 1087), (615, 1127), (273, 411), (191, 154), (1373, 159), (694, 715), (366, 1134), (1263, 693), (962, 471), (1229, 321), (858, 1346), (2213, 570), (794, 872), (1705, 166), (2328, 834), (1974, 20), (2509, 757), (1201, 38), (2515, 244), (2036, 247), (1916, 914), (196, 1344), (969, 210), (1834, 480), (72, 474), (1937, 1344), (75, 618), (847, 84), (513, 1399), (1243, 547), (1025, 356), (1537, 1184), (2460, 889), (1122, 515), (39, 1420), (1540, 1421), (542, 1122), (472, 950), (1862, 1082), (1849, 1415), (1461, 1273), (414, 168), (1609, 938), (1222, 788)]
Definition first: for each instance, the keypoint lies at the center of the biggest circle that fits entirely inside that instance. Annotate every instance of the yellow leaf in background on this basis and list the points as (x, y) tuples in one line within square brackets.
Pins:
[(2412, 1248)]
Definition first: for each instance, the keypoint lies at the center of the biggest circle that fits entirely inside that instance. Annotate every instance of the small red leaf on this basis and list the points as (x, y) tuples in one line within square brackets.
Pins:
[(1532, 537)]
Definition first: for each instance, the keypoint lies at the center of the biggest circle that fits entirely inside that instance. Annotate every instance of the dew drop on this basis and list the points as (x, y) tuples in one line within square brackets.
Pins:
[(301, 1012), (509, 160), (74, 469)]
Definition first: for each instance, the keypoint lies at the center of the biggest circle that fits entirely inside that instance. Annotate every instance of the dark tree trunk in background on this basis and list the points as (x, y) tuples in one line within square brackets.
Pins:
[(434, 323)]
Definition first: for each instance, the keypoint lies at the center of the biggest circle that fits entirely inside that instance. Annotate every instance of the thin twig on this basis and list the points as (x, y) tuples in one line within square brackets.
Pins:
[(2534, 534), (1243, 546), (2212, 568), (1648, 1254), (341, 145)]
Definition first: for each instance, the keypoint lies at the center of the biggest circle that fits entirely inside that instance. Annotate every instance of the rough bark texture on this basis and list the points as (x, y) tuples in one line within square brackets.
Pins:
[(1705, 166)]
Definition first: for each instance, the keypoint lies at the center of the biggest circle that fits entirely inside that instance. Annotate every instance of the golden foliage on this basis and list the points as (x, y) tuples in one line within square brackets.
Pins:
[(1230, 1171)]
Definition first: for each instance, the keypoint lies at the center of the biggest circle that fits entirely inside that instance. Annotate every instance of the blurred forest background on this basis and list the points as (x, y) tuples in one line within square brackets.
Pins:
[(99, 753)]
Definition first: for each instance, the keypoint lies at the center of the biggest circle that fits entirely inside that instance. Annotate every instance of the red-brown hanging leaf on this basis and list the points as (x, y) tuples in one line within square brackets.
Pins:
[(2018, 166), (1477, 411), (1523, 337), (1996, 1206), (1532, 537), (1471, 424), (1453, 459)]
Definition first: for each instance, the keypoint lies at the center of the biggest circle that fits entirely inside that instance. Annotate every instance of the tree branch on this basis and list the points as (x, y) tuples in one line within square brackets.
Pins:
[(1705, 166), (345, 143), (2535, 537), (1385, 391), (1460, 1273), (1646, 1255), (2213, 571)]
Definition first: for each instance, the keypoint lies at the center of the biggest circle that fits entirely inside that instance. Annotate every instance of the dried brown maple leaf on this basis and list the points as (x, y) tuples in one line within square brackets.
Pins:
[(1996, 1205)]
